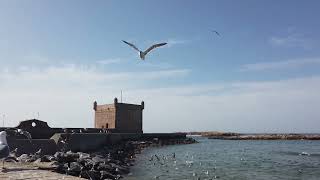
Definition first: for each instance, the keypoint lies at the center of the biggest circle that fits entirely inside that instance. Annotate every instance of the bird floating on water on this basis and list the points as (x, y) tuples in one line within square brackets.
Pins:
[(304, 154), (143, 54)]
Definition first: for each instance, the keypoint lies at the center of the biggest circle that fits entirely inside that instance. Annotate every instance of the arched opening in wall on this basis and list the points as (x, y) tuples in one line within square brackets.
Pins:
[(107, 125), (102, 127), (33, 124)]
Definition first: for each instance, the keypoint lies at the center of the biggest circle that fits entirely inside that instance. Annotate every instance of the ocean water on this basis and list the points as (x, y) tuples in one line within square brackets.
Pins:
[(228, 159)]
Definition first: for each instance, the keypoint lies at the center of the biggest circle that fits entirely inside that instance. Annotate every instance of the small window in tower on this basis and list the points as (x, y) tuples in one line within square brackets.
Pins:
[(107, 125), (102, 127)]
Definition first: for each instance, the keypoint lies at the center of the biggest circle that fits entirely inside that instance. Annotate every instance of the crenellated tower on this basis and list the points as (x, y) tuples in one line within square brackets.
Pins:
[(120, 117)]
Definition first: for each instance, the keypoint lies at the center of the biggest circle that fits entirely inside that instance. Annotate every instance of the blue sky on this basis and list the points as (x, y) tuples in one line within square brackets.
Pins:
[(261, 75)]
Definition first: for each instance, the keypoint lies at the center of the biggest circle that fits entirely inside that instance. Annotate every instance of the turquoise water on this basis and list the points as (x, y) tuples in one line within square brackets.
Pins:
[(226, 159)]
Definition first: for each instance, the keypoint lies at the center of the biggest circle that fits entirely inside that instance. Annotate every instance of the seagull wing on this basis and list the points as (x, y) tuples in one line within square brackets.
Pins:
[(216, 32), (154, 46), (4, 151), (38, 152), (26, 134), (132, 45)]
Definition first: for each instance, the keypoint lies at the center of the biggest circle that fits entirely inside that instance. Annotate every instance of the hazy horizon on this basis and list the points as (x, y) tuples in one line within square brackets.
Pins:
[(261, 75)]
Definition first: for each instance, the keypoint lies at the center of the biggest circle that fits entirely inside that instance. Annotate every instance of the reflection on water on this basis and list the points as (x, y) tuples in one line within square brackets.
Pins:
[(226, 159)]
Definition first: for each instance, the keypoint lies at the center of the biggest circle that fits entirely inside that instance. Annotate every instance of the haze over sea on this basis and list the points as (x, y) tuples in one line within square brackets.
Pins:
[(228, 159)]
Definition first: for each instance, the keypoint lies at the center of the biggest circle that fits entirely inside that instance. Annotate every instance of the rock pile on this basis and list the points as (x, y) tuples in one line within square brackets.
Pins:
[(110, 162)]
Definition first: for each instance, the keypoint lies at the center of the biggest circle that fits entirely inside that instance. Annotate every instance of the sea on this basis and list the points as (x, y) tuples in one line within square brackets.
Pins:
[(230, 159)]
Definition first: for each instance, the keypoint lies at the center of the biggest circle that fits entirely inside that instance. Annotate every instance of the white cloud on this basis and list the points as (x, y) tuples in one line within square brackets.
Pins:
[(110, 61), (59, 93), (72, 76), (273, 106), (152, 64), (173, 42), (295, 63), (64, 95), (291, 40)]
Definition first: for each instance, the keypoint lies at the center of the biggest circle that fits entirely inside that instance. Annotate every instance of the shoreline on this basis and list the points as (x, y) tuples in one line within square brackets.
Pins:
[(262, 136), (109, 162)]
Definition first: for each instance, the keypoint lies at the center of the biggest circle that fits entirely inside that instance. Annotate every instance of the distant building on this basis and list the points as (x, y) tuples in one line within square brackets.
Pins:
[(119, 117)]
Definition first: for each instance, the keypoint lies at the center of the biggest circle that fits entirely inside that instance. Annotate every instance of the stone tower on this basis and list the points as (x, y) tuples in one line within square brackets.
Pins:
[(119, 117)]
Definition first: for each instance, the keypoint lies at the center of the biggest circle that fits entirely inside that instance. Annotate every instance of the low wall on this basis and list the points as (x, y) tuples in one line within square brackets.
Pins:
[(47, 146), (41, 130), (91, 141), (83, 142)]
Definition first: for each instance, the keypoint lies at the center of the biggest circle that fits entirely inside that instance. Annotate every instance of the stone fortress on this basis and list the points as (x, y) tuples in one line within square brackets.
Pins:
[(104, 152), (113, 123), (119, 117)]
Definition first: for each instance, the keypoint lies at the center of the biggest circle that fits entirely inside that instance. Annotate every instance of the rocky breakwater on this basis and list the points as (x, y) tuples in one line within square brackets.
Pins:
[(109, 162), (268, 137)]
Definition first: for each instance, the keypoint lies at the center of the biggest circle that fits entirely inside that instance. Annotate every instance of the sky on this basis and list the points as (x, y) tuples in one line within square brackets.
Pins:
[(262, 74)]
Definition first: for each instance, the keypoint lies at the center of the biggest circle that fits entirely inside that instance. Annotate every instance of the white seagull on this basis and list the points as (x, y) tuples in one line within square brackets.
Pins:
[(25, 133), (143, 54), (4, 148)]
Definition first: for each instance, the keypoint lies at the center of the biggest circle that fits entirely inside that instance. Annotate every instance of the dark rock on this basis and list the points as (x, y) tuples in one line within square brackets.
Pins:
[(84, 174), (66, 157), (89, 164), (98, 159), (46, 158), (62, 168), (104, 167), (71, 157), (83, 155), (109, 163), (122, 170), (59, 156), (94, 175), (74, 166), (95, 166), (82, 161), (107, 175)]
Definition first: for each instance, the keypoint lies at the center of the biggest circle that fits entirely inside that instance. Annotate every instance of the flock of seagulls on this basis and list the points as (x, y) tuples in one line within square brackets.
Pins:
[(142, 54), (169, 163)]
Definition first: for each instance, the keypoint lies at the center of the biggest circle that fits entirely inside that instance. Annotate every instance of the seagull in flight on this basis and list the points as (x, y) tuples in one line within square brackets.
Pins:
[(143, 54), (215, 32)]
